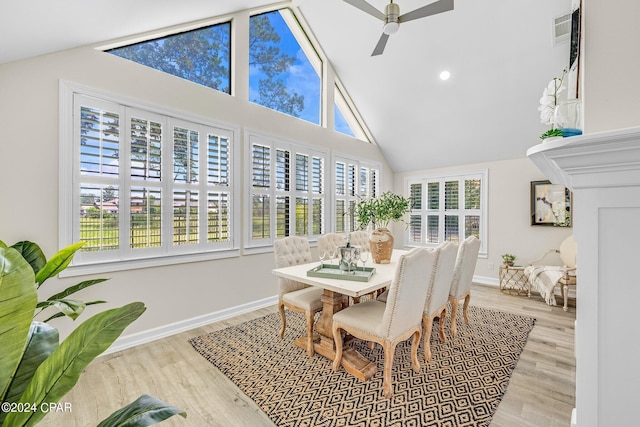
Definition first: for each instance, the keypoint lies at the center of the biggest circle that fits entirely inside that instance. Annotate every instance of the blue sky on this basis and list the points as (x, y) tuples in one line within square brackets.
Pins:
[(300, 78)]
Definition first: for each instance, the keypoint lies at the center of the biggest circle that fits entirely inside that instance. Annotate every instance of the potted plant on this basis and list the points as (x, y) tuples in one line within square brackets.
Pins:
[(36, 369), (379, 212), (552, 95), (509, 259)]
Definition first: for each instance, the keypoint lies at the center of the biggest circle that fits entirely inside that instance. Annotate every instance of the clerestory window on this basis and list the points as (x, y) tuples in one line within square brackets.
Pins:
[(202, 56), (284, 72)]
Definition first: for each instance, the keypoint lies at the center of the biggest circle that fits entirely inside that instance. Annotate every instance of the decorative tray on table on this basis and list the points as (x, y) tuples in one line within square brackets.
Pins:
[(330, 271)]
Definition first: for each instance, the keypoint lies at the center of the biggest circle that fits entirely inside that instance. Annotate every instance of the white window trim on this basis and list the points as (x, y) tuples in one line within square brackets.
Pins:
[(251, 245), (68, 177), (484, 203), (359, 163)]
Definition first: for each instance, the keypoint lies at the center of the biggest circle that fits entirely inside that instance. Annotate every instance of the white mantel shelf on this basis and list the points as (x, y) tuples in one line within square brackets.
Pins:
[(603, 170), (593, 160)]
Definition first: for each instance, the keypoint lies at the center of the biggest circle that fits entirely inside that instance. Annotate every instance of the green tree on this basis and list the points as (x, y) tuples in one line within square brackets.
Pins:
[(203, 56), (265, 54)]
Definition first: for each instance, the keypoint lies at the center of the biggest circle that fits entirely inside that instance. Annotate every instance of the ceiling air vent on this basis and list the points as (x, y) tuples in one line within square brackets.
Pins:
[(561, 29)]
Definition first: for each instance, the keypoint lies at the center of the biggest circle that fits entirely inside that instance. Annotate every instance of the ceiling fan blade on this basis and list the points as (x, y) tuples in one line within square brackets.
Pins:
[(428, 10), (366, 7), (381, 44)]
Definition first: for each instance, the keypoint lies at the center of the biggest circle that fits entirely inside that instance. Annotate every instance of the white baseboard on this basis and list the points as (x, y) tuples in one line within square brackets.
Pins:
[(483, 280), (143, 337)]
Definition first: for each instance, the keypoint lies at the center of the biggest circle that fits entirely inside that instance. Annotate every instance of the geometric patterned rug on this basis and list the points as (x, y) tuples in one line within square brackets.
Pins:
[(461, 386)]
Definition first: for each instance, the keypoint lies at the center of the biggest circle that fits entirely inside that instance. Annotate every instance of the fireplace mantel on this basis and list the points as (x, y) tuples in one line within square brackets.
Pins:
[(603, 170), (596, 160)]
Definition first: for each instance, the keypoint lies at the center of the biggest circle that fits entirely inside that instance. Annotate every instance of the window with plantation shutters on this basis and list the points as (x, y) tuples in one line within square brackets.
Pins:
[(448, 208), (287, 194), (146, 185), (354, 179)]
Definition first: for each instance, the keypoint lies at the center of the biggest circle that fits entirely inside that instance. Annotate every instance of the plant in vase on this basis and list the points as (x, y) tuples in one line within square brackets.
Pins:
[(552, 95), (379, 212), (509, 259)]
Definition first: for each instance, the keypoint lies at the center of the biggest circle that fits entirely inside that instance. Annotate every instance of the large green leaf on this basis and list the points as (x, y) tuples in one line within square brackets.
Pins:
[(60, 314), (58, 262), (17, 304), (61, 370), (32, 253), (75, 288), (144, 411), (69, 307), (2, 244), (43, 339)]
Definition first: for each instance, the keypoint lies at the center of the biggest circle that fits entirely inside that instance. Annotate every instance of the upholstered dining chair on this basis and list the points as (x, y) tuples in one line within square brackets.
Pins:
[(329, 242), (462, 278), (438, 294), (361, 238), (397, 320), (296, 296)]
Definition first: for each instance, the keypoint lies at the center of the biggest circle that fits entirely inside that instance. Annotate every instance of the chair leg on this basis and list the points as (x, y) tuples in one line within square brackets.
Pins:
[(565, 292), (415, 343), (443, 319), (310, 350), (387, 385), (283, 319), (465, 308), (428, 326), (337, 339), (454, 312)]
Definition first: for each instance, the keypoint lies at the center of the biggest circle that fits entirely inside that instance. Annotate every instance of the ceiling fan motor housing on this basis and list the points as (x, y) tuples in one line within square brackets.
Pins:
[(392, 11)]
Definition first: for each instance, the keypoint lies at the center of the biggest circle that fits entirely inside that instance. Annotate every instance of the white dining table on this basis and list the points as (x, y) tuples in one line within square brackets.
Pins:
[(333, 300)]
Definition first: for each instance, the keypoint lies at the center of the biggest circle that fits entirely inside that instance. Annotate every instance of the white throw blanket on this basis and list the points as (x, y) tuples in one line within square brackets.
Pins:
[(544, 279)]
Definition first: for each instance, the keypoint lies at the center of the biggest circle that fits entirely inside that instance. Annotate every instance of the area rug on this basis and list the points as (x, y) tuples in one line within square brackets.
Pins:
[(461, 386)]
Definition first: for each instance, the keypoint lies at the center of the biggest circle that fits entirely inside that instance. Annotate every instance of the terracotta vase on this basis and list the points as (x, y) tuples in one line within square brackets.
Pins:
[(381, 244)]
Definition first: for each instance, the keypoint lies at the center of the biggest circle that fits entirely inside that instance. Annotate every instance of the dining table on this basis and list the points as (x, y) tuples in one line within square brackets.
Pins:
[(334, 292)]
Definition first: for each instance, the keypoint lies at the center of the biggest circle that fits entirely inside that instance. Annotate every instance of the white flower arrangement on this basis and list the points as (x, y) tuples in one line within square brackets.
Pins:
[(552, 95)]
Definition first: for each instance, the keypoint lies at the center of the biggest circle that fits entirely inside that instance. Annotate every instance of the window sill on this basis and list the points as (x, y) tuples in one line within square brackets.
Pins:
[(132, 264)]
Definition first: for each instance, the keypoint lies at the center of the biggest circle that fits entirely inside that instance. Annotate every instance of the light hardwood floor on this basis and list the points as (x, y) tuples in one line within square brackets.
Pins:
[(541, 391)]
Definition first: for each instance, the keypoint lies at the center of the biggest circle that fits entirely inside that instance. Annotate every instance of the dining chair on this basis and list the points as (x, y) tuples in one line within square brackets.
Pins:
[(397, 320), (361, 238), (438, 294), (294, 295), (329, 242), (462, 278)]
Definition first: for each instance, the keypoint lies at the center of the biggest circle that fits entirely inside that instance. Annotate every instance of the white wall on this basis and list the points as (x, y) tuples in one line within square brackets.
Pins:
[(611, 65), (509, 228), (29, 173)]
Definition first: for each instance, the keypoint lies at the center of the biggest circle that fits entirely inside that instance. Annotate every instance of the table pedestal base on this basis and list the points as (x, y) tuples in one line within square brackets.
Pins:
[(352, 361)]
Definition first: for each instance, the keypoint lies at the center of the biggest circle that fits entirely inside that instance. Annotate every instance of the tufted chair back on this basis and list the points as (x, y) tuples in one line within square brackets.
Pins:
[(438, 295), (408, 290), (465, 266), (292, 250), (361, 238), (330, 241)]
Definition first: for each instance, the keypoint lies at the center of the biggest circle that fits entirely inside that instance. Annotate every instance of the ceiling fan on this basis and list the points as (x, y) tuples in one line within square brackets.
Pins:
[(392, 18)]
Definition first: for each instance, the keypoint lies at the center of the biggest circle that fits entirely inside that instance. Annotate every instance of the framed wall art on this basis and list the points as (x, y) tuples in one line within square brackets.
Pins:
[(550, 204)]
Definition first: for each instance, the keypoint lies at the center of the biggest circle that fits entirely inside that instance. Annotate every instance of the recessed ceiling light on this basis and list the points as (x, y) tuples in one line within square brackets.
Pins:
[(445, 75)]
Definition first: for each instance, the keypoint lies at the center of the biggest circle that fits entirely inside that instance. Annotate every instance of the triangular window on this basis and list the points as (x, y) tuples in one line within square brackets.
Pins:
[(202, 56), (284, 70)]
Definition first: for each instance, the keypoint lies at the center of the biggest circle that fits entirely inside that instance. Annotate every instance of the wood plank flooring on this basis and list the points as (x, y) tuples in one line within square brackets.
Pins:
[(541, 391)]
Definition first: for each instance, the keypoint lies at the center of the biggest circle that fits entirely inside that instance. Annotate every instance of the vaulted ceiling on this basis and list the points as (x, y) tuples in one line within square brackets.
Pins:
[(500, 54)]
